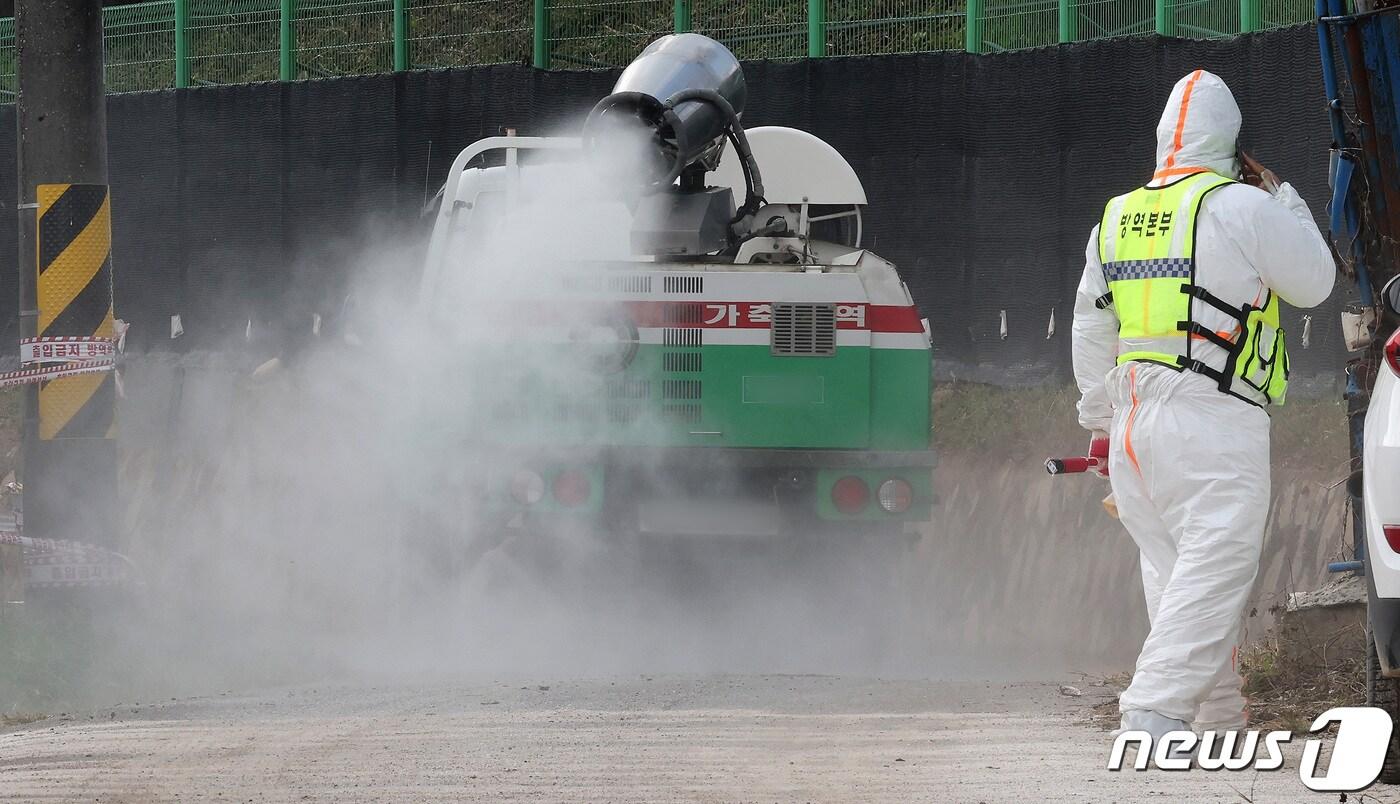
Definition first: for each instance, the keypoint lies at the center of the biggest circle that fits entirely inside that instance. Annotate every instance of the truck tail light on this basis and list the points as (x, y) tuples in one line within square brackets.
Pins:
[(1392, 352), (895, 495), (526, 487), (572, 488), (850, 495), (1392, 536)]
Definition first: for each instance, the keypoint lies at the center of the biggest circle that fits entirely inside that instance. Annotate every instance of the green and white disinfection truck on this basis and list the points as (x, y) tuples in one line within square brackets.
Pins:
[(748, 368)]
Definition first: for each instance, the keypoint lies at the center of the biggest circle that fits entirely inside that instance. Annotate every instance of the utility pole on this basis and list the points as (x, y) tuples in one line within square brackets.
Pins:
[(69, 456)]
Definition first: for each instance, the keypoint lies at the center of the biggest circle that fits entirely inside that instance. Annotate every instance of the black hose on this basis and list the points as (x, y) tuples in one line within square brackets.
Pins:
[(752, 178)]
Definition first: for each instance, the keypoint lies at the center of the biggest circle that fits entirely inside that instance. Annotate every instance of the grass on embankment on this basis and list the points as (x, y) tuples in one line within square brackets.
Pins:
[(1286, 693), (1308, 434)]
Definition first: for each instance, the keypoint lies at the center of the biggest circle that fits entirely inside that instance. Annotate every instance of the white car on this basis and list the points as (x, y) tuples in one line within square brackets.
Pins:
[(1380, 483)]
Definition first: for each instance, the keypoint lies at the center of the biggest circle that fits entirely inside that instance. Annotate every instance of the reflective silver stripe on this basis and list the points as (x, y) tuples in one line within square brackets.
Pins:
[(1162, 268), (1174, 345)]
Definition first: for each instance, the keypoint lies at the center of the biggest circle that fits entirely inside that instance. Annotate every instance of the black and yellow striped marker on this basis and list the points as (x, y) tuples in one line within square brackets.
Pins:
[(75, 300)]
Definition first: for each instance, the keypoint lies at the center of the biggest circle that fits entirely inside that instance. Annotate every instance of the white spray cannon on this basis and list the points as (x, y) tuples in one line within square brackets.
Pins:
[(669, 114)]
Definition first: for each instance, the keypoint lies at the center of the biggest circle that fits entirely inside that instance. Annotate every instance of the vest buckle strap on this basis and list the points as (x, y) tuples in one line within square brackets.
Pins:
[(1195, 328), (1192, 364), (1198, 292)]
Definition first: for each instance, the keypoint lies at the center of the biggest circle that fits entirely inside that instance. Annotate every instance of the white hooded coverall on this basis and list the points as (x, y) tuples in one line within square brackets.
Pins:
[(1189, 464)]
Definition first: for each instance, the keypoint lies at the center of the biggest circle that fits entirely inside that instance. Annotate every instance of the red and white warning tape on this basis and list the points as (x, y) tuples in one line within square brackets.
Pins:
[(76, 569), (27, 376), (48, 545), (63, 350), (45, 359), (63, 563), (58, 562)]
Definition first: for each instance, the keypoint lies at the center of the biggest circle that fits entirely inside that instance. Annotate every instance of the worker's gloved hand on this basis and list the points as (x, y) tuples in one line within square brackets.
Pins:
[(1098, 448), (1256, 175)]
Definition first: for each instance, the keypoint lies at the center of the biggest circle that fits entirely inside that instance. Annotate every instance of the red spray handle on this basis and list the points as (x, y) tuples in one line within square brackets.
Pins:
[(1073, 466), (1095, 461)]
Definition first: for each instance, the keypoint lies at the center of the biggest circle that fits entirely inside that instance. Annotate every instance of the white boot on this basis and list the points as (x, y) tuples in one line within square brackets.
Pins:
[(1156, 725), (1150, 722)]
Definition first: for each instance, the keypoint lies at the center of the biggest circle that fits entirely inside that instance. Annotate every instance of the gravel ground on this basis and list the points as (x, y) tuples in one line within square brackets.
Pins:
[(638, 739)]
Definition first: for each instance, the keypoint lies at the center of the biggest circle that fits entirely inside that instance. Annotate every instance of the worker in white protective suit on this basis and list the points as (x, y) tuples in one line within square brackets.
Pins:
[(1177, 350)]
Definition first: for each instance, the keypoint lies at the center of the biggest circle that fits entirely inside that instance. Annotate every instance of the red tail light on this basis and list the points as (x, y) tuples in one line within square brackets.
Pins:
[(1392, 352), (572, 487), (850, 495), (1392, 536)]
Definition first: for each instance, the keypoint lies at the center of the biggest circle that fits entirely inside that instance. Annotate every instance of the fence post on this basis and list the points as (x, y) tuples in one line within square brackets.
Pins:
[(400, 35), (974, 26), (1250, 13), (682, 16), (816, 28), (288, 41), (1166, 17), (542, 32), (1069, 21), (182, 43)]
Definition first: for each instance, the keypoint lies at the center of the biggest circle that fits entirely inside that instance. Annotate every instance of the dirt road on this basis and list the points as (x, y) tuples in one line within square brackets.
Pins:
[(642, 739)]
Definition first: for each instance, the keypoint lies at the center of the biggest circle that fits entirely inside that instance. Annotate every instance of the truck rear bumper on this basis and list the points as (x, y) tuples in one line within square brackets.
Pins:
[(740, 458), (664, 489)]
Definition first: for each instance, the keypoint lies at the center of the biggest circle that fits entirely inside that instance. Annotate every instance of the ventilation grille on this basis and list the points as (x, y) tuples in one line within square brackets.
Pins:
[(686, 313), (804, 329), (596, 283), (629, 389), (581, 283), (674, 336), (680, 389), (690, 414), (636, 283), (681, 361), (683, 284), (623, 414)]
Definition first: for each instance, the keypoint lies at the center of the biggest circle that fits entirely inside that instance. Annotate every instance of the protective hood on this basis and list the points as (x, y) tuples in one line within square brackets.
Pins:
[(1200, 128)]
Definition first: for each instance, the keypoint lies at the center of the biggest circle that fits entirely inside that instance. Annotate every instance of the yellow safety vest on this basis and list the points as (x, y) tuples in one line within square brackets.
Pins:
[(1147, 245)]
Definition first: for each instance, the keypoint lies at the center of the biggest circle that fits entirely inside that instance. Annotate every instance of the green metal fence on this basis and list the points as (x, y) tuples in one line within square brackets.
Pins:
[(176, 43), (344, 37), (1102, 19), (140, 45), (867, 27), (1207, 18), (596, 33), (1014, 24), (7, 59), (1278, 13), (228, 42), (447, 33), (756, 29)]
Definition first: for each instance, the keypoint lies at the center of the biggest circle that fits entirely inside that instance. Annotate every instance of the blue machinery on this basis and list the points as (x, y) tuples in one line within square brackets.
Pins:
[(1361, 46)]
